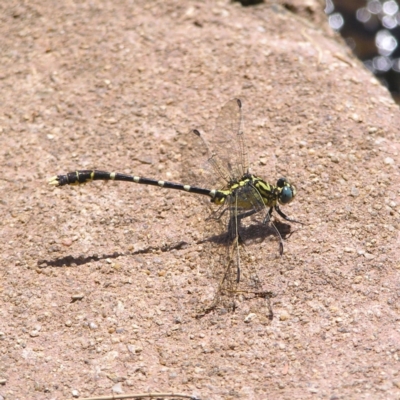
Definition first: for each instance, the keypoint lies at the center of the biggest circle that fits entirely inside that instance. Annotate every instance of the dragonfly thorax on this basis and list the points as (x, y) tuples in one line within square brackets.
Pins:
[(238, 193)]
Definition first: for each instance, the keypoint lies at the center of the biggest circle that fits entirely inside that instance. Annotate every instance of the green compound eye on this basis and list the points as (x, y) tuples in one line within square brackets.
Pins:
[(288, 191), (286, 195)]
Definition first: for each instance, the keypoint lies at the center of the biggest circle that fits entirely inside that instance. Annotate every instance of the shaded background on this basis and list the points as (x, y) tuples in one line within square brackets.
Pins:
[(371, 29)]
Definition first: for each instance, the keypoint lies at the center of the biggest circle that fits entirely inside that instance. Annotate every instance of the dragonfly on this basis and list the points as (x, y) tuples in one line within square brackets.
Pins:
[(237, 194)]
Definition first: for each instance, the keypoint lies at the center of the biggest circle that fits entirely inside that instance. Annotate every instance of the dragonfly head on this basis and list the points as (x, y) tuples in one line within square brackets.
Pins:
[(287, 191)]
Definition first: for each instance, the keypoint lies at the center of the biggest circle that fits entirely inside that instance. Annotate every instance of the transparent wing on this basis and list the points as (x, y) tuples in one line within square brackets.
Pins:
[(228, 150), (218, 159), (231, 225), (195, 170), (233, 272)]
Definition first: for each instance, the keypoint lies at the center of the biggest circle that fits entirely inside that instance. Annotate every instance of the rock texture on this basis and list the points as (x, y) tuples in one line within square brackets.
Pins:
[(97, 290)]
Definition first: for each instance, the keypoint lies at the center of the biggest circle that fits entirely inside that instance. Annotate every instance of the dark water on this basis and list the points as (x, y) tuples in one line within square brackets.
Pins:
[(372, 30)]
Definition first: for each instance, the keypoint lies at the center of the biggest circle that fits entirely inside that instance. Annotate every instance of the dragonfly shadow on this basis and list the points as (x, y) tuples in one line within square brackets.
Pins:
[(253, 232), (69, 261)]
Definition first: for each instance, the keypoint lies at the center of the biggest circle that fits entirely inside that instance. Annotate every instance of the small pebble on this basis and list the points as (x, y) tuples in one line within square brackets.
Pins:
[(388, 161), (114, 377), (117, 388), (78, 296), (134, 349), (75, 393), (117, 266), (131, 348), (356, 117), (397, 384), (284, 316), (354, 192), (352, 158), (92, 325), (369, 256), (250, 317), (67, 242), (302, 144), (335, 159)]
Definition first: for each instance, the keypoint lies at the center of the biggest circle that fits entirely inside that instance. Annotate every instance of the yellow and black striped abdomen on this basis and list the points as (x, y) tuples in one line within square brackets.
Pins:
[(85, 176)]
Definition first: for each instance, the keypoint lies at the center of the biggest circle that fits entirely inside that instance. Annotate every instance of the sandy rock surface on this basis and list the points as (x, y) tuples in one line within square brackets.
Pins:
[(99, 284)]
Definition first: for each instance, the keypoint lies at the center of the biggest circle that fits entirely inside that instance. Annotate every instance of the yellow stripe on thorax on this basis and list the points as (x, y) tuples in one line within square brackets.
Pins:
[(268, 193)]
